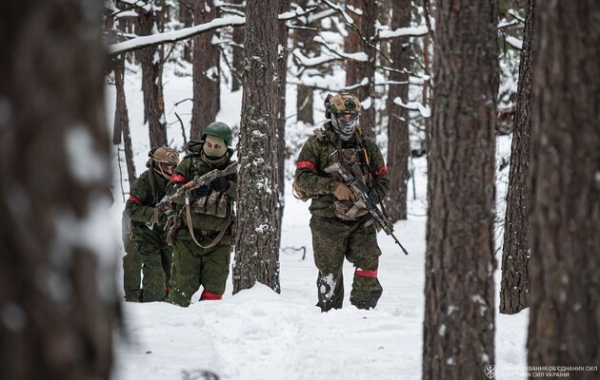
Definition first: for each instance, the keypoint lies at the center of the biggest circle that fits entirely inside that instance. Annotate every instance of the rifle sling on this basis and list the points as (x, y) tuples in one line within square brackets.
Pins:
[(188, 219)]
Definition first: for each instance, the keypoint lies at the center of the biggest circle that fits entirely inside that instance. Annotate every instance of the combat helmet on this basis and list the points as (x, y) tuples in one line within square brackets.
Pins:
[(218, 129), (161, 158), (343, 110)]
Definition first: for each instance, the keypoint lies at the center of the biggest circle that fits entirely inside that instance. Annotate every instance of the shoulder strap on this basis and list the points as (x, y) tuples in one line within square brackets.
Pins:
[(152, 187)]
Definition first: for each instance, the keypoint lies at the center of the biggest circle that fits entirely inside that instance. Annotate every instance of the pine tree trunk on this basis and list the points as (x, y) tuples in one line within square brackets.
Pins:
[(206, 71), (514, 286), (303, 40), (151, 82), (398, 142), (57, 297), (366, 70), (283, 6), (459, 283), (237, 53), (186, 17), (564, 268), (122, 117), (258, 224)]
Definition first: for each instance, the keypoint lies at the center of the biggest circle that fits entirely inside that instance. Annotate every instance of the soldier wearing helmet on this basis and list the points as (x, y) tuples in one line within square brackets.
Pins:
[(340, 228), (147, 218), (202, 245)]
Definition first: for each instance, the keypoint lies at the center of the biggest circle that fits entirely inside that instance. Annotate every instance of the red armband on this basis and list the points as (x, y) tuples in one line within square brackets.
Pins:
[(177, 178), (381, 171), (135, 200), (306, 165)]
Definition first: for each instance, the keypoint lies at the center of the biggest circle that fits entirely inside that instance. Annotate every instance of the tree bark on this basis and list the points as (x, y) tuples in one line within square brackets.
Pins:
[(303, 40), (258, 225), (514, 286), (459, 283), (282, 48), (361, 75), (152, 81), (398, 142), (56, 279), (122, 118), (564, 268), (186, 17), (206, 71), (237, 54)]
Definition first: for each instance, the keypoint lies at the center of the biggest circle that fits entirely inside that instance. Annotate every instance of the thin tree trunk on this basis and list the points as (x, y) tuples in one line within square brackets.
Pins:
[(283, 6), (258, 224), (459, 274), (303, 40), (238, 54), (56, 270), (186, 17), (206, 71), (122, 118), (564, 268), (151, 82), (366, 70), (514, 286), (398, 142)]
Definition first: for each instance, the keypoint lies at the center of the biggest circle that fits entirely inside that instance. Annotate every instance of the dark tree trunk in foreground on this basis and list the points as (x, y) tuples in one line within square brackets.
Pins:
[(514, 286), (398, 143), (564, 268), (459, 281), (57, 293), (258, 224), (206, 71)]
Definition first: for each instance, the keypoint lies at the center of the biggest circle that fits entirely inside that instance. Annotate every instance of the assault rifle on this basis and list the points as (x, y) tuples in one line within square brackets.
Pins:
[(361, 191), (197, 182), (203, 180)]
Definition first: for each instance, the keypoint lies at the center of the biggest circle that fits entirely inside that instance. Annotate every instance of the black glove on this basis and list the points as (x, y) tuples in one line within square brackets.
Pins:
[(200, 192), (220, 184), (373, 195)]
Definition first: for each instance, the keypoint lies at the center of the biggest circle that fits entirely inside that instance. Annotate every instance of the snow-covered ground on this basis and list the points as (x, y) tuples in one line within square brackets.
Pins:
[(258, 334)]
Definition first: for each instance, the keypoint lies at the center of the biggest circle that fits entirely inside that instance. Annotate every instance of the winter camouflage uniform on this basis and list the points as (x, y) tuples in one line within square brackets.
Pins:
[(204, 262), (147, 221), (334, 235)]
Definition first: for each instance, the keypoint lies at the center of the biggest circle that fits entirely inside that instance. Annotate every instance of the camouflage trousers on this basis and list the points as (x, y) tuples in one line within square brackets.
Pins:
[(194, 266), (333, 240), (132, 270), (156, 257)]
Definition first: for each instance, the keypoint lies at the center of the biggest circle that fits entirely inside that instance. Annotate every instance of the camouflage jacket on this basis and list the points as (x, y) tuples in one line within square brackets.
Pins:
[(193, 166), (143, 196), (322, 150)]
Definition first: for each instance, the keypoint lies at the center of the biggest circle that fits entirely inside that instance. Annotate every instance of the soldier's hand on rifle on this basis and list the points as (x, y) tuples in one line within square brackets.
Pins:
[(165, 207), (158, 215), (343, 192), (200, 192), (220, 184), (373, 195)]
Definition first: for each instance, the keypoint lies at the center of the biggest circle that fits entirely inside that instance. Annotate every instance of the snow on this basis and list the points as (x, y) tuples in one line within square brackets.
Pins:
[(259, 334)]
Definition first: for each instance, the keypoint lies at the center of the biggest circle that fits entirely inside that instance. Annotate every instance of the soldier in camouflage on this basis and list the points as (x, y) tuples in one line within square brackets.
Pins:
[(338, 233), (148, 217), (203, 244)]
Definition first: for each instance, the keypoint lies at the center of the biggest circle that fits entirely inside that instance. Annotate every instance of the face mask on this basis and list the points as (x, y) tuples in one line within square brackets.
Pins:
[(214, 147), (345, 125)]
